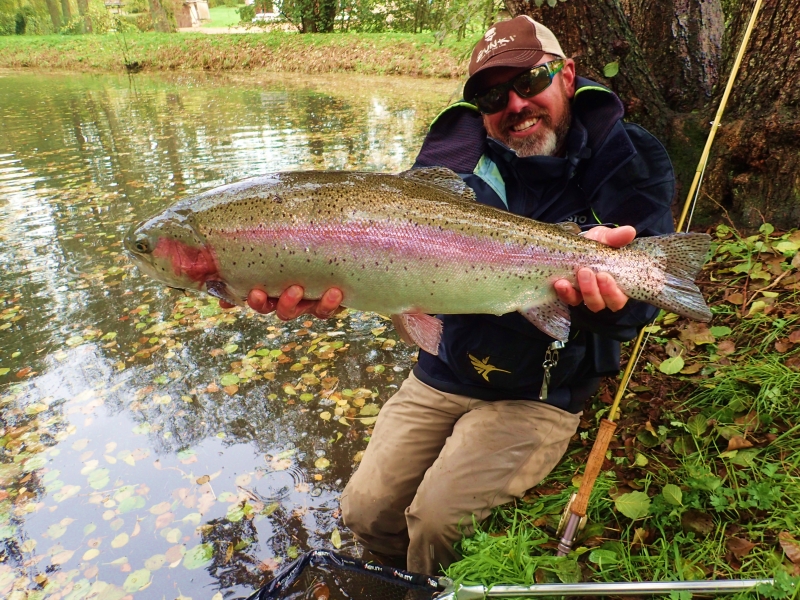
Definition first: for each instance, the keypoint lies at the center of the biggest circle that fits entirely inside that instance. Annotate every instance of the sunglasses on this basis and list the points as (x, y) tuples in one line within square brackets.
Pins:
[(526, 84)]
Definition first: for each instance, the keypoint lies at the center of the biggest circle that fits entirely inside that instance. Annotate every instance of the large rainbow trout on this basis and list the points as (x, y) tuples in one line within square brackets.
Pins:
[(408, 245)]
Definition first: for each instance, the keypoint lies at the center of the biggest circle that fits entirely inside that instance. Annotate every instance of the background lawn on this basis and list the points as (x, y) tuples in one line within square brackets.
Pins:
[(223, 16)]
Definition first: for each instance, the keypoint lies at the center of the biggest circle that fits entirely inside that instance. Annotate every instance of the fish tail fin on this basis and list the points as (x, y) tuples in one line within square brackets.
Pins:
[(681, 255)]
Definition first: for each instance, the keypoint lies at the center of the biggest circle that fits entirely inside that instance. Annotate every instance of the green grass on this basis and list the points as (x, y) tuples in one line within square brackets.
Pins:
[(223, 16), (703, 478), (375, 54)]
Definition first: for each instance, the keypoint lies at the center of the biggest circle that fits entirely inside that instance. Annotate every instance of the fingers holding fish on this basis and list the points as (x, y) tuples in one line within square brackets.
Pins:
[(291, 303), (596, 291), (616, 237)]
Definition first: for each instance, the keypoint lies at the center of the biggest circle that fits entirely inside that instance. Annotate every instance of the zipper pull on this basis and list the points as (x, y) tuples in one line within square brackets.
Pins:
[(550, 361)]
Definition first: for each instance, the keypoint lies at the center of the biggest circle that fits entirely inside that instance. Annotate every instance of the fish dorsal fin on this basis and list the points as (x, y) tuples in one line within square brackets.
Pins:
[(444, 178), (569, 227)]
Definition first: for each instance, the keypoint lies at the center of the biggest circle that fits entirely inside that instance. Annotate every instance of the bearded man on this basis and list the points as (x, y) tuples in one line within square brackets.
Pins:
[(493, 413)]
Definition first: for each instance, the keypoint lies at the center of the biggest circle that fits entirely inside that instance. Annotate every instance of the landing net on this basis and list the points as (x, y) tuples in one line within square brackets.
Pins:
[(326, 575)]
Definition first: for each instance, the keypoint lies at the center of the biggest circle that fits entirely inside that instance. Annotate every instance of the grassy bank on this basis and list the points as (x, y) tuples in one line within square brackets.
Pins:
[(701, 480), (376, 54)]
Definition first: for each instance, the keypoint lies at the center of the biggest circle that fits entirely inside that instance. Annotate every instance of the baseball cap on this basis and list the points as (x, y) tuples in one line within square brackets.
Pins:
[(519, 42)]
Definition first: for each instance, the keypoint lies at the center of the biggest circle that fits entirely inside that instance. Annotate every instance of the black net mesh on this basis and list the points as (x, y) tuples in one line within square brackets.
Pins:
[(324, 575)]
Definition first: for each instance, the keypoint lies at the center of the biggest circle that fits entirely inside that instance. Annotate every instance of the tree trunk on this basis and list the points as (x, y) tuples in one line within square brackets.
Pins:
[(596, 33), (83, 9), (55, 15), (159, 15), (681, 40), (66, 10), (754, 173)]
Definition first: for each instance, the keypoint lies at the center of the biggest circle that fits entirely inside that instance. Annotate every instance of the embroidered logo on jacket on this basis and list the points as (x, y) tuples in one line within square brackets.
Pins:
[(483, 367)]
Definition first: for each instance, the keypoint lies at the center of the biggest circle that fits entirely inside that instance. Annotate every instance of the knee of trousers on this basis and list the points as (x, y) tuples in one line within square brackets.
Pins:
[(433, 524), (365, 515)]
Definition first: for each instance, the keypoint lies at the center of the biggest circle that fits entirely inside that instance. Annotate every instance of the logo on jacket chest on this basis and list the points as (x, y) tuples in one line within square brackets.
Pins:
[(483, 367)]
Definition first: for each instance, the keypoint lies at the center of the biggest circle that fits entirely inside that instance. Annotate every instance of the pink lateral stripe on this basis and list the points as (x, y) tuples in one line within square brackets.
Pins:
[(404, 240)]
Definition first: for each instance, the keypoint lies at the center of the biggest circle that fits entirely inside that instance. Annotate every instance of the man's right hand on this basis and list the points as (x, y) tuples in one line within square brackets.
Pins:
[(291, 305)]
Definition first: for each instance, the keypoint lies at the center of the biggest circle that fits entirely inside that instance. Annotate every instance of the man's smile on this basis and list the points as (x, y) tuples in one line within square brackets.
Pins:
[(524, 125)]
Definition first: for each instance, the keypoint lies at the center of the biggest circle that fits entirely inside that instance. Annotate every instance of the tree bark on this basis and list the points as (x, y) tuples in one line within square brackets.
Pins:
[(754, 172), (596, 33), (159, 15), (66, 10), (83, 9), (55, 14), (681, 40)]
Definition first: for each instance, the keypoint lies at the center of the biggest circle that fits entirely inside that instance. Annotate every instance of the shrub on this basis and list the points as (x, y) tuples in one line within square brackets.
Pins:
[(246, 13), (8, 24)]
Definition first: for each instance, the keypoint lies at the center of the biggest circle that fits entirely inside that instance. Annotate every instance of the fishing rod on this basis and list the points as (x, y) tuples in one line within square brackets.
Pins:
[(633, 588), (574, 517)]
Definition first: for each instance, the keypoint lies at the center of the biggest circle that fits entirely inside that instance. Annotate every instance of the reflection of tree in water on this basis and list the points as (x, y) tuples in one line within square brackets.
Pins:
[(27, 430)]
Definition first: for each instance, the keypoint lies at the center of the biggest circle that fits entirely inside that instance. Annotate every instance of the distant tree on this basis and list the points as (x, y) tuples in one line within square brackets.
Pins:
[(55, 15), (161, 20)]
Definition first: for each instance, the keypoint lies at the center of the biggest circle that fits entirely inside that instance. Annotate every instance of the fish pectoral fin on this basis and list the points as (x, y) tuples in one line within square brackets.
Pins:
[(569, 227), (552, 317), (418, 328), (218, 289)]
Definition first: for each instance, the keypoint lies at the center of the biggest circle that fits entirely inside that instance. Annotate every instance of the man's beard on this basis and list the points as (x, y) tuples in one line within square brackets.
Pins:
[(545, 142)]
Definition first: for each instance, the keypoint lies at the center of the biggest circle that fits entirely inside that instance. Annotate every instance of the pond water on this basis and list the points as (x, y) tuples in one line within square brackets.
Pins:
[(152, 445)]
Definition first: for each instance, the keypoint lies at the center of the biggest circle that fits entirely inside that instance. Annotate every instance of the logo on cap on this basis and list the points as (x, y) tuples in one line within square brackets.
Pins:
[(490, 34)]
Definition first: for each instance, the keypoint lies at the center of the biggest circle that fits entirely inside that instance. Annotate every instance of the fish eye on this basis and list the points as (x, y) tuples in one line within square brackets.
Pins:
[(142, 245)]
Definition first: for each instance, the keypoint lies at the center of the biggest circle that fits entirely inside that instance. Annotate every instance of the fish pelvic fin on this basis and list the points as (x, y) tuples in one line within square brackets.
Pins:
[(551, 317), (418, 328), (682, 255), (220, 290)]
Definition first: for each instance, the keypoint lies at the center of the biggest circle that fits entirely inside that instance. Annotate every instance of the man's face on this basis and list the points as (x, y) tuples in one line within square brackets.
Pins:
[(535, 126)]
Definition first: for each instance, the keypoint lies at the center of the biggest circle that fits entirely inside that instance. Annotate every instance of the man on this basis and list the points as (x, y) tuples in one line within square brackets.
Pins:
[(492, 414)]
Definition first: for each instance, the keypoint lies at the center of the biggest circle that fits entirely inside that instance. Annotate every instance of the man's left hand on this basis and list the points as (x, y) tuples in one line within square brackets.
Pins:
[(597, 291)]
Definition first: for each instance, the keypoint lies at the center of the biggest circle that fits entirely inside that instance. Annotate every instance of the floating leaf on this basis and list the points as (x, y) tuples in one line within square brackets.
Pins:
[(322, 463), (369, 410), (231, 348), (633, 505), (336, 538), (131, 503), (136, 581), (229, 379), (198, 556), (120, 540), (90, 554), (155, 562), (62, 557)]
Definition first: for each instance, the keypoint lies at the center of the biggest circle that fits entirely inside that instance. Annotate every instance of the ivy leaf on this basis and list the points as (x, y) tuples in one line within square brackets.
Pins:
[(611, 69), (633, 505), (672, 494)]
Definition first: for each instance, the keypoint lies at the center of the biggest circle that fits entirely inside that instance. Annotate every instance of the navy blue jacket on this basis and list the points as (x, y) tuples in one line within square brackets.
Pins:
[(613, 173)]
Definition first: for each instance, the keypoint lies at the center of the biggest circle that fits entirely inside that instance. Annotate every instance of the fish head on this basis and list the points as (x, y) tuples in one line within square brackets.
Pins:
[(170, 250)]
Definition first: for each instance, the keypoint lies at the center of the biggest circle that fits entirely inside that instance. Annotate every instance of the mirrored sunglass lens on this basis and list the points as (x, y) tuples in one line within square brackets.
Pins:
[(533, 82)]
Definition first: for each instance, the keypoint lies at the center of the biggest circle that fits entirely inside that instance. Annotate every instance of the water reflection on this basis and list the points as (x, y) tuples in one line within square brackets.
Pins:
[(152, 444)]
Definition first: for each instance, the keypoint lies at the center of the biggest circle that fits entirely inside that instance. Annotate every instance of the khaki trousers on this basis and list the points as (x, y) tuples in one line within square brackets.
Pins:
[(435, 460)]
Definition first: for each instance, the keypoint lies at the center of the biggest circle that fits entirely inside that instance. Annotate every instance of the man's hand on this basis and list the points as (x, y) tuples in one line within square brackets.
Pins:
[(291, 305), (598, 291)]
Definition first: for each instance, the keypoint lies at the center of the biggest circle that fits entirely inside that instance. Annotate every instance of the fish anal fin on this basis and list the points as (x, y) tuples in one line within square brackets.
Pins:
[(444, 178), (552, 317), (418, 328)]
